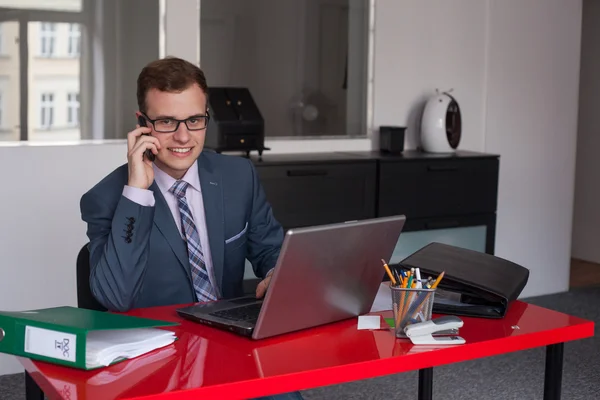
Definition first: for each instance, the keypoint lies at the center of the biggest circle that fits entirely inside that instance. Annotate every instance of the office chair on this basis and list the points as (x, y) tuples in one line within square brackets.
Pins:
[(85, 298)]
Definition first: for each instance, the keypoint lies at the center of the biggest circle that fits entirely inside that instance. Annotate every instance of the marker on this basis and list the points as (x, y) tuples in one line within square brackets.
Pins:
[(418, 271)]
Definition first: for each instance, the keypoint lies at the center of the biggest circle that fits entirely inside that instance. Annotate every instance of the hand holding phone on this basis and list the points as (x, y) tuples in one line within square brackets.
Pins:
[(141, 150), (148, 153)]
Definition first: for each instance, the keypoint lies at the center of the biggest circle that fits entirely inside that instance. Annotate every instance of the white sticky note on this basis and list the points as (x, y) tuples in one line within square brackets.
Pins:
[(369, 322)]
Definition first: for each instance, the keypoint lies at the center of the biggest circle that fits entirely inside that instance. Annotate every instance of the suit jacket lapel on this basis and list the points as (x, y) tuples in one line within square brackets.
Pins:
[(163, 219), (212, 196)]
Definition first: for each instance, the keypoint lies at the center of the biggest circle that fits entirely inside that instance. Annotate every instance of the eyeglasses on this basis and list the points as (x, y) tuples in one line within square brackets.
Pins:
[(167, 125)]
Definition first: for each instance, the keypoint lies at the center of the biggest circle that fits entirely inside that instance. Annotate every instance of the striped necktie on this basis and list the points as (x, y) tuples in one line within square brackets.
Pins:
[(202, 285)]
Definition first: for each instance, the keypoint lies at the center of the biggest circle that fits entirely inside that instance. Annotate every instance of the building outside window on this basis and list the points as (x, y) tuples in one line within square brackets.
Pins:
[(73, 109), (74, 40), (46, 110), (47, 39)]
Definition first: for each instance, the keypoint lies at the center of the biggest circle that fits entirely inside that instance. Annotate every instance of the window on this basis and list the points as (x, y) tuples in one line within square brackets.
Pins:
[(73, 109), (47, 39), (74, 40), (46, 110), (41, 77), (306, 63), (55, 81)]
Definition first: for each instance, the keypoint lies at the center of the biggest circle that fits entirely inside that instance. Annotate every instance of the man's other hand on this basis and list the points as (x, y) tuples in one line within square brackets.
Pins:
[(262, 287)]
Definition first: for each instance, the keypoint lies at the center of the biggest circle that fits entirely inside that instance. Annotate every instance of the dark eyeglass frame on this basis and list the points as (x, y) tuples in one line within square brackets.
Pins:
[(179, 121)]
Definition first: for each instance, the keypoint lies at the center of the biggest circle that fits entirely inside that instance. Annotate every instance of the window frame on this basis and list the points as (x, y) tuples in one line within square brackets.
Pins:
[(301, 144)]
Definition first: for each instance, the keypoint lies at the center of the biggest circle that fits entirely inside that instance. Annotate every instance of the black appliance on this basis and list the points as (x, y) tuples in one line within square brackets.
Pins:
[(235, 123)]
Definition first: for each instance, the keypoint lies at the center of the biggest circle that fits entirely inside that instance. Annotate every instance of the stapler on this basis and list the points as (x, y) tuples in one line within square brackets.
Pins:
[(422, 332)]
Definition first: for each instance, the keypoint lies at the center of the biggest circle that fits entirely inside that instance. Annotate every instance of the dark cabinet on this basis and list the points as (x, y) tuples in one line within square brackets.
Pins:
[(438, 188), (434, 191), (449, 198), (304, 194)]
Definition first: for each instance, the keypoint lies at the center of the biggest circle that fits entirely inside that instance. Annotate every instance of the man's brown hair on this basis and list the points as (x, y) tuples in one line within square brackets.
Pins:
[(168, 74)]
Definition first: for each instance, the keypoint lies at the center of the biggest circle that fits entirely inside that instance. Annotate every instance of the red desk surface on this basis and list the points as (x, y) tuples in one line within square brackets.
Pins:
[(210, 363)]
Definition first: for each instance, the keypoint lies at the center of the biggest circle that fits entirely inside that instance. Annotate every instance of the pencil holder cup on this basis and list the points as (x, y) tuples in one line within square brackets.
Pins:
[(410, 306)]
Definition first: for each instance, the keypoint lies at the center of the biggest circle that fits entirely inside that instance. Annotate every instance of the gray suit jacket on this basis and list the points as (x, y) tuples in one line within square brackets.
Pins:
[(137, 256)]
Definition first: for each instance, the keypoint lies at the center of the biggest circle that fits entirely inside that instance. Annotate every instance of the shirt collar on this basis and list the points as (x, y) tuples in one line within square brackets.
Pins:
[(166, 181)]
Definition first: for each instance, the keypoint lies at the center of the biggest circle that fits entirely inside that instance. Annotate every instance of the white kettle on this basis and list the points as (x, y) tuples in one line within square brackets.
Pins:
[(441, 124)]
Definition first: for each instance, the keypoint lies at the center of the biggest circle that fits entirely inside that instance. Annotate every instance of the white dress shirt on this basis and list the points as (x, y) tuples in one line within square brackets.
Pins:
[(145, 197)]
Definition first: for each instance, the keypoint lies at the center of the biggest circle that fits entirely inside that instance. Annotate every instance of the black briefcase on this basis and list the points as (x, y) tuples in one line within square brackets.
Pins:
[(474, 283)]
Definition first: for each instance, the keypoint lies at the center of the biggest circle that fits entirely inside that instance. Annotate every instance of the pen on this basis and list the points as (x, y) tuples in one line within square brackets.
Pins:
[(387, 269), (397, 275)]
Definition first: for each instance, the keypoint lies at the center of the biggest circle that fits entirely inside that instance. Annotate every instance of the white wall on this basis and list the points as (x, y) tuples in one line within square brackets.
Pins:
[(42, 231), (181, 15), (586, 213), (514, 67), (424, 45), (532, 102)]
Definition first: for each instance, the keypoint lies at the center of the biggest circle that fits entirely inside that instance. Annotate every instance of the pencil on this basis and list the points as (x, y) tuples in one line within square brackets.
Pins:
[(437, 281), (387, 269)]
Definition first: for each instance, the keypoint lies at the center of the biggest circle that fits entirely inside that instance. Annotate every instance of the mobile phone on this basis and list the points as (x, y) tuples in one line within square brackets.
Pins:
[(148, 153)]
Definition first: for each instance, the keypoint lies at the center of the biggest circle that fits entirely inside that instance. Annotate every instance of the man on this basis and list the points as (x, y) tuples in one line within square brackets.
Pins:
[(176, 230)]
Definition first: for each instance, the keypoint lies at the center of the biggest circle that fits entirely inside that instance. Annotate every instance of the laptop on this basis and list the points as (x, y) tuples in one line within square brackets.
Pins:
[(324, 274)]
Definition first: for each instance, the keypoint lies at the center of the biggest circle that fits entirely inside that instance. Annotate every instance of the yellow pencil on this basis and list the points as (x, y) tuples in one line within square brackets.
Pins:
[(437, 281), (387, 269)]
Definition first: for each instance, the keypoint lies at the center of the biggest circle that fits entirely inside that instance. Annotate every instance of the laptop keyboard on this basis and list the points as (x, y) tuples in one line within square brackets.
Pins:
[(247, 313)]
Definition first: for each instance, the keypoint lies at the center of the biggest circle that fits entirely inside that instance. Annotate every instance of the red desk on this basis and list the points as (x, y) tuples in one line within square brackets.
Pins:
[(210, 363)]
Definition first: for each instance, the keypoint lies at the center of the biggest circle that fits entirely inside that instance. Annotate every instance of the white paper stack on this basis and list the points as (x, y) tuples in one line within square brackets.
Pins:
[(103, 347)]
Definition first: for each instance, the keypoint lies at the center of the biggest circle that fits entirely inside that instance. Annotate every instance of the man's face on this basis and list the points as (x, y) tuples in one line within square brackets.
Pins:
[(181, 148)]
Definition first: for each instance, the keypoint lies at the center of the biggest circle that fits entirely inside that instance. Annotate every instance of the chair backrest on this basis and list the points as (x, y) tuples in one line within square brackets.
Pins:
[(85, 298)]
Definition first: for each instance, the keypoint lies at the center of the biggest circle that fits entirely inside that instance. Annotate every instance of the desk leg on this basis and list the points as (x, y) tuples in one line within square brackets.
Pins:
[(426, 384), (32, 390), (553, 375)]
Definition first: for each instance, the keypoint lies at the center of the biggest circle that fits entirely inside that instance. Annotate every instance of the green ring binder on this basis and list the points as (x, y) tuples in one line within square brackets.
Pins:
[(80, 338)]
